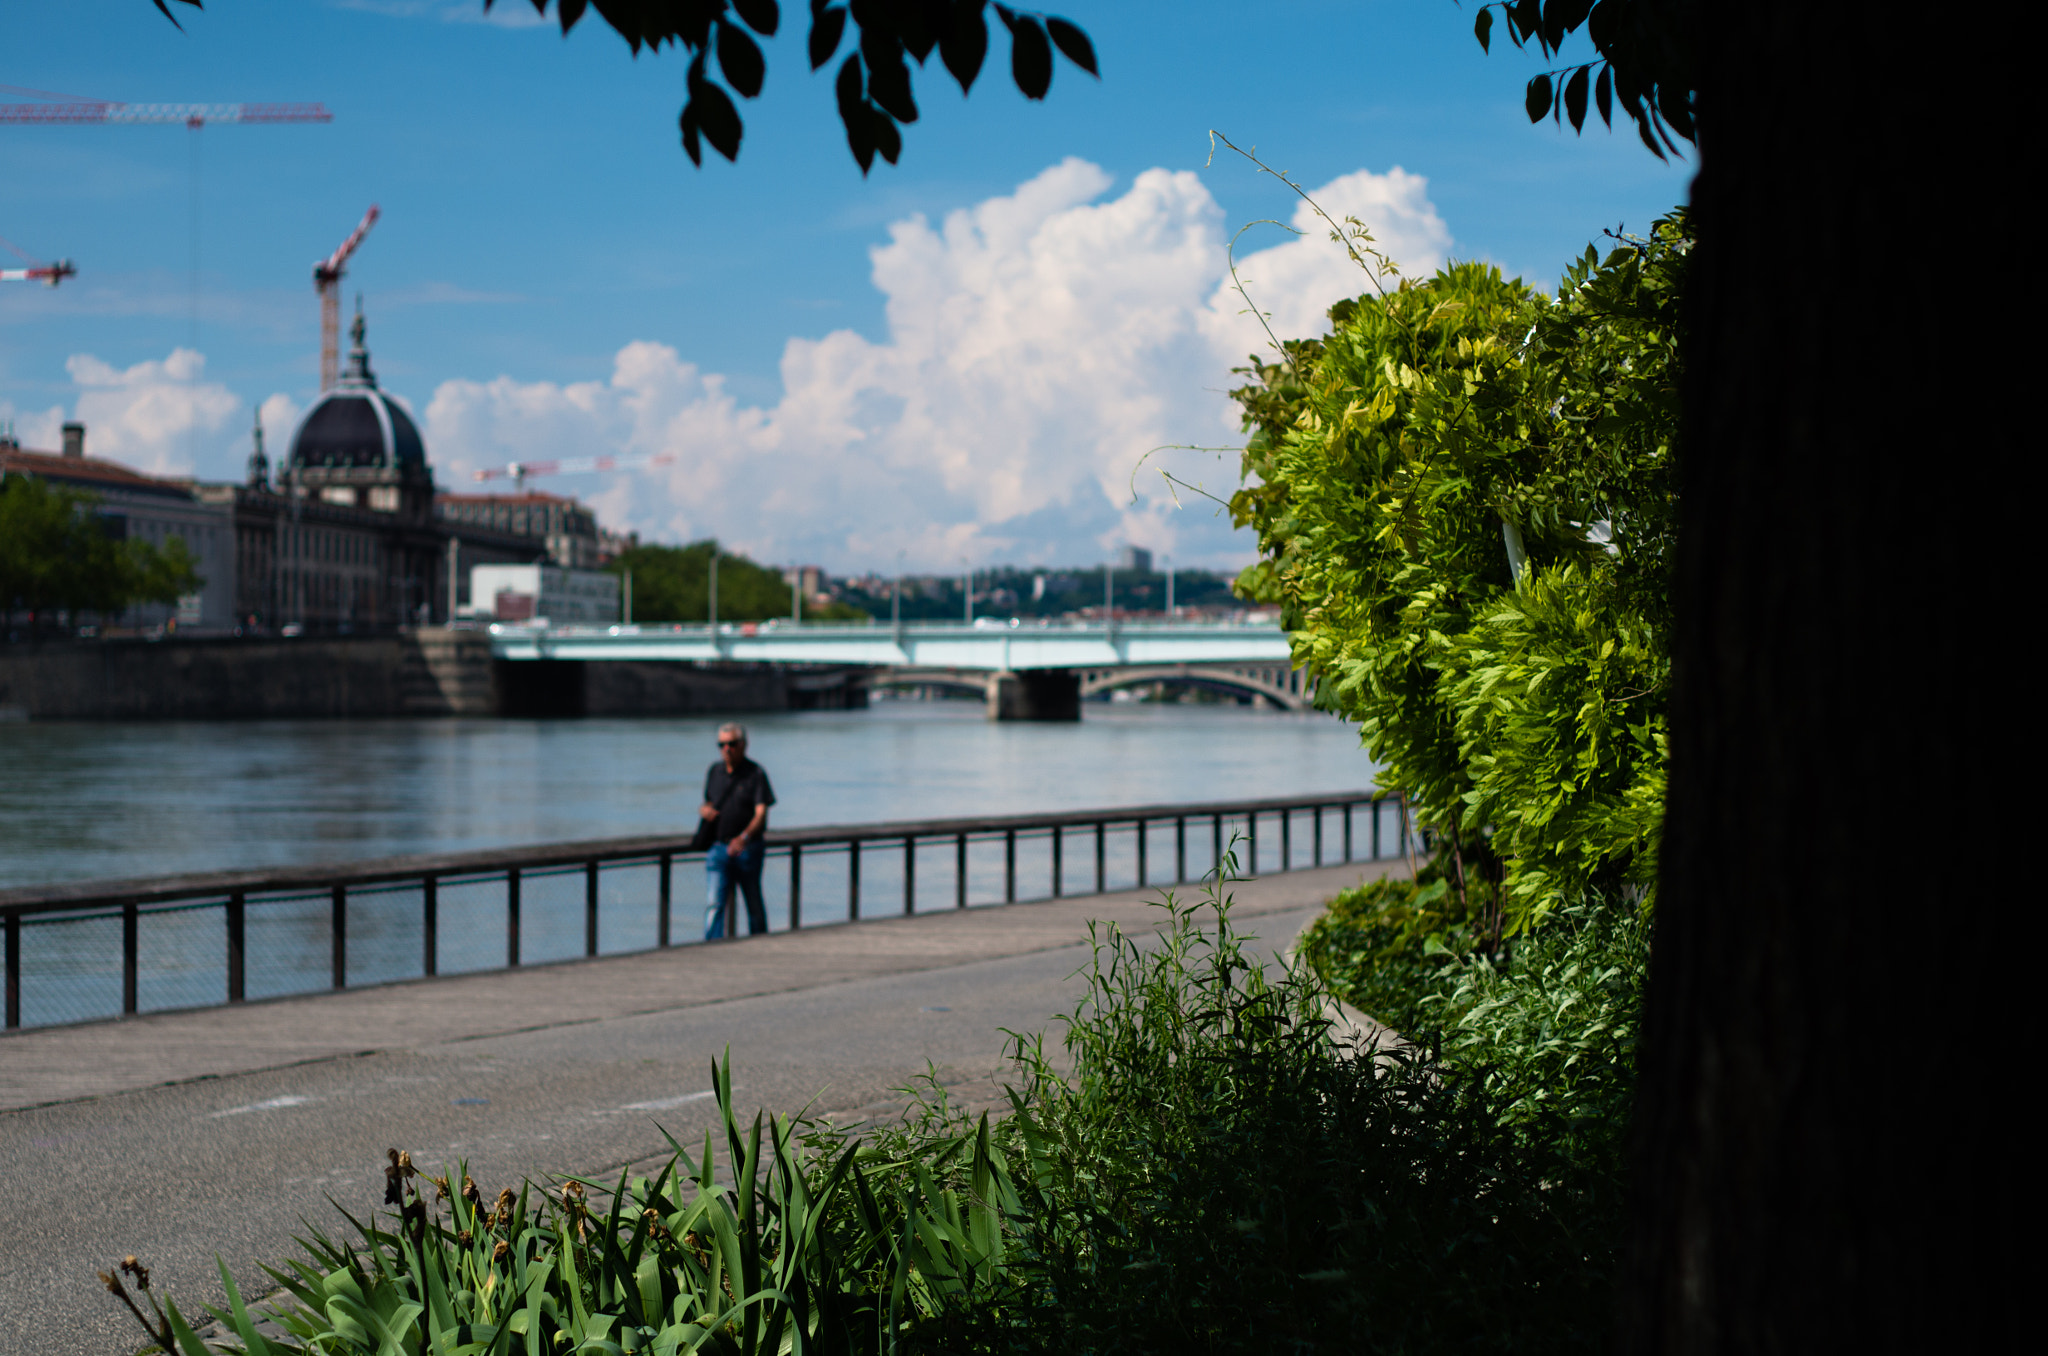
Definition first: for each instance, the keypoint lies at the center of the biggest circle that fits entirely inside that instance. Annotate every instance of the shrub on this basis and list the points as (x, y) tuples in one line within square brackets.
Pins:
[(1212, 1174)]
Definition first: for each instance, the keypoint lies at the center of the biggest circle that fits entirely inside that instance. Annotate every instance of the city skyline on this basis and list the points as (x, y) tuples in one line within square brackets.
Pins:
[(966, 356)]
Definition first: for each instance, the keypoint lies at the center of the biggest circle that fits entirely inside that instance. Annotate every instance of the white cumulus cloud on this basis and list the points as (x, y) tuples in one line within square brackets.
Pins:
[(35, 430), (1038, 346), (153, 415)]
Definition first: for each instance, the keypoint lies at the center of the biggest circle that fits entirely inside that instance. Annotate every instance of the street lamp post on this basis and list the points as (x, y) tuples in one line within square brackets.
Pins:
[(896, 601)]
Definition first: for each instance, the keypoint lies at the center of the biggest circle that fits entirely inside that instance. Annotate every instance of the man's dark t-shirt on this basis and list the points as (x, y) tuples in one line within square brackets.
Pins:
[(749, 788)]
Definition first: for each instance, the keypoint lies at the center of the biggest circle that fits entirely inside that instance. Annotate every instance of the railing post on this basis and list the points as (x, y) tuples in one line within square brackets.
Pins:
[(1180, 849), (852, 879), (13, 970), (661, 902), (235, 974), (960, 872), (1317, 811), (1375, 828), (1349, 806), (129, 948), (1141, 854), (1287, 840), (1101, 876), (796, 886), (1251, 843), (1009, 866), (511, 917), (590, 908), (1056, 865), (1216, 830), (909, 874), (430, 924), (338, 931)]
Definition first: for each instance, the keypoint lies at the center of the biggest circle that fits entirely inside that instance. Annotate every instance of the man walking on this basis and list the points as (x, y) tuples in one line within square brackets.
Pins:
[(736, 801)]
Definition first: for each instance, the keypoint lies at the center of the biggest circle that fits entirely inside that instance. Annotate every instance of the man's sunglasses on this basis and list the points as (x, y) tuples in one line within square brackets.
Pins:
[(731, 743)]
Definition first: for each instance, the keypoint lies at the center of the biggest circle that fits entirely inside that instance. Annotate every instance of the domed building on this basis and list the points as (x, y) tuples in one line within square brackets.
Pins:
[(347, 539), (358, 448)]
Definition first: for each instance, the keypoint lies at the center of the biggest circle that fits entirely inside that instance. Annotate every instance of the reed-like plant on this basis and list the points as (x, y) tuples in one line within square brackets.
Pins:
[(796, 1251), (1204, 1171)]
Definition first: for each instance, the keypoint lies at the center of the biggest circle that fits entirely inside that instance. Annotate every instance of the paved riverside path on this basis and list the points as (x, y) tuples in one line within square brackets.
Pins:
[(181, 1136)]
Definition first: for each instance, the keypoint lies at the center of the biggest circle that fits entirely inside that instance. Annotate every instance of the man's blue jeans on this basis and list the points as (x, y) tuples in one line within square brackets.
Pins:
[(724, 870)]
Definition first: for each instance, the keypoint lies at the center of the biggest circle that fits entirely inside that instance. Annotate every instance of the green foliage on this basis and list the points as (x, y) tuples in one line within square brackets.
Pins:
[(1645, 62), (1382, 946), (873, 86), (1212, 1173), (56, 556), (1465, 500), (797, 1251), (673, 584), (1547, 1024)]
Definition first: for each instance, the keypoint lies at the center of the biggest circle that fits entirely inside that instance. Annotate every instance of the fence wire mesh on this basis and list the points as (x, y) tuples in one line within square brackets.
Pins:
[(70, 968)]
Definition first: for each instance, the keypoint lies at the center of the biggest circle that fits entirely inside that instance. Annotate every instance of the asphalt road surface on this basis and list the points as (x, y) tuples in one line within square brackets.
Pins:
[(182, 1137)]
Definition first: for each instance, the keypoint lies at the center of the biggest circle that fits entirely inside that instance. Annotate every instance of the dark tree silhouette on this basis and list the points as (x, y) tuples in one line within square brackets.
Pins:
[(1817, 1125), (873, 83)]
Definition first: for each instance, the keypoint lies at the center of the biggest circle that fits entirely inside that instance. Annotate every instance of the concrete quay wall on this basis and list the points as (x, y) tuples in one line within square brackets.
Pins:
[(428, 672)]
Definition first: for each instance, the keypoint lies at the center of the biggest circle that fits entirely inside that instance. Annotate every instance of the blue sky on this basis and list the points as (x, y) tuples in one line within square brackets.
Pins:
[(962, 357)]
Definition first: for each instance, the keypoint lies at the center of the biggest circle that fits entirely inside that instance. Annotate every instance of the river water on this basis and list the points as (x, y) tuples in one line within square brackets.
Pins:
[(98, 801), (109, 801)]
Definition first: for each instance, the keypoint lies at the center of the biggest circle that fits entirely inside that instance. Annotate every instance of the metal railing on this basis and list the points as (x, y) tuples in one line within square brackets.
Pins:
[(88, 950)]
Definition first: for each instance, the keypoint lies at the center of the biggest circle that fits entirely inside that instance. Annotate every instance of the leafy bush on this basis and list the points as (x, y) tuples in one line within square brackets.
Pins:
[(1465, 497), (1546, 1025), (1213, 1174), (796, 1252), (1383, 946)]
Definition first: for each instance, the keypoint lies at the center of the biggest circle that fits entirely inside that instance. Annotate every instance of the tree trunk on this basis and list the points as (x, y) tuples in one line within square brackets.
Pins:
[(1815, 1133)]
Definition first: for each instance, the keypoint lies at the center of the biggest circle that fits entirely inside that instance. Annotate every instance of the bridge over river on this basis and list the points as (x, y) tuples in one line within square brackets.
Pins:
[(1026, 671)]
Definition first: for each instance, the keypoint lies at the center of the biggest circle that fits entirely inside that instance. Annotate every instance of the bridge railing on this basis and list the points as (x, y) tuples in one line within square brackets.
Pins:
[(90, 950)]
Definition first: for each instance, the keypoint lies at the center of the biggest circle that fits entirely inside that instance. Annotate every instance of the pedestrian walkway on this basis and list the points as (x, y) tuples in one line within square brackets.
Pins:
[(43, 1066)]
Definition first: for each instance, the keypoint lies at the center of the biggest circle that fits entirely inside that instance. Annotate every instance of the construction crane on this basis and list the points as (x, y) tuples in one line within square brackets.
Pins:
[(518, 471), (50, 274), (327, 282), (56, 109)]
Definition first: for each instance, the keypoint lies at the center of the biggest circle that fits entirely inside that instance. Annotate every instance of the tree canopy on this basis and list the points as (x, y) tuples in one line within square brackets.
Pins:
[(874, 82), (1644, 62), (673, 584), (56, 556)]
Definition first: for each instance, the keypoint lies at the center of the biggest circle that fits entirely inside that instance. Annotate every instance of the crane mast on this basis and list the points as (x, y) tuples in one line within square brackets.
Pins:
[(327, 276)]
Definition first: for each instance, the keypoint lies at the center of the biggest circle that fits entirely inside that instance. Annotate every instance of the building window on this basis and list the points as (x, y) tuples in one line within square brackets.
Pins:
[(384, 498)]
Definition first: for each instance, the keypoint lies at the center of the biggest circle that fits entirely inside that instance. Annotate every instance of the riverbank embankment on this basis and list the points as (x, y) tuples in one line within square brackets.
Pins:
[(425, 672)]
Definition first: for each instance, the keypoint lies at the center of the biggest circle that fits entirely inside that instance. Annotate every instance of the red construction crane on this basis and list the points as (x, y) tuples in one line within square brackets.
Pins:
[(518, 471), (327, 282), (52, 274)]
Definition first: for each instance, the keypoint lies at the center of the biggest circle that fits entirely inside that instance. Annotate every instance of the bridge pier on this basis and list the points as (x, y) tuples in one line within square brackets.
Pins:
[(1035, 694)]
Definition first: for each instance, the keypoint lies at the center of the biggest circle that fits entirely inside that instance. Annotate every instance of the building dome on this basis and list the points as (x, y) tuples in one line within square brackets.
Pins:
[(355, 425)]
